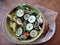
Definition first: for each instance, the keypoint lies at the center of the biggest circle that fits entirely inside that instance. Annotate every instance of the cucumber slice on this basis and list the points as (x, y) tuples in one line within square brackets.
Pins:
[(33, 33), (26, 16), (29, 26), (20, 13), (19, 31), (32, 19), (19, 21)]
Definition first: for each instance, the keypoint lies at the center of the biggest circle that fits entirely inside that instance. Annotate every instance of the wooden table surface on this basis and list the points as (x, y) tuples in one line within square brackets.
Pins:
[(5, 5)]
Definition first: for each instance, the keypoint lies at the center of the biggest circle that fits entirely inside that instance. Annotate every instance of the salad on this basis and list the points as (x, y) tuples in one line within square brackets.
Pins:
[(24, 22)]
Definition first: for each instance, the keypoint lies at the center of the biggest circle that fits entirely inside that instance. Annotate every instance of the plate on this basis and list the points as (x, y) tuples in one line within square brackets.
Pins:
[(46, 38)]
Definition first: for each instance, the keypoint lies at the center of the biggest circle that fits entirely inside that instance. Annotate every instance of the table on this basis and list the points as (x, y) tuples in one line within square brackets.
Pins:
[(5, 5)]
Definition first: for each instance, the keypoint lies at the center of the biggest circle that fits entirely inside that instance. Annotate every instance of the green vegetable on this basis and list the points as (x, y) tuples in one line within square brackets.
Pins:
[(19, 31), (24, 29), (21, 6), (23, 37), (38, 15)]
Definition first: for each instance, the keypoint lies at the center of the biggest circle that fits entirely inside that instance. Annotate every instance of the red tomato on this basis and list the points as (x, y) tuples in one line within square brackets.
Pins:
[(27, 34)]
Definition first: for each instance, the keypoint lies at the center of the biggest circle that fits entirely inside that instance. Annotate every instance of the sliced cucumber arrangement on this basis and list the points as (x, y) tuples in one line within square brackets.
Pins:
[(33, 33), (19, 21), (32, 19), (29, 26), (19, 31), (20, 13), (26, 16)]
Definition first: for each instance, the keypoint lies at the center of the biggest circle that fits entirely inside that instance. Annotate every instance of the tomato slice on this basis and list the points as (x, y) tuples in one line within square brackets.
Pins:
[(26, 34)]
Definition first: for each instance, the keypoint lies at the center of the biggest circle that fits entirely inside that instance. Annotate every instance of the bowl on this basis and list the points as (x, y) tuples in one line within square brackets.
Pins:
[(13, 14)]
